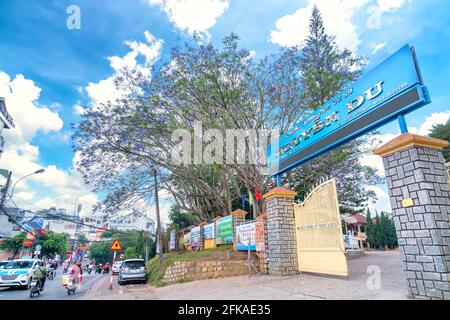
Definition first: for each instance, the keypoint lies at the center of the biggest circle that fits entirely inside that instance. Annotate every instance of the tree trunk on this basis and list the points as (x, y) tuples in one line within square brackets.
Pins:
[(158, 220)]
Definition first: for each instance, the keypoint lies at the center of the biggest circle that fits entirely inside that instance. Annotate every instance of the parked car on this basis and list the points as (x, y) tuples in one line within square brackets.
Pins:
[(116, 267), (132, 270), (18, 273)]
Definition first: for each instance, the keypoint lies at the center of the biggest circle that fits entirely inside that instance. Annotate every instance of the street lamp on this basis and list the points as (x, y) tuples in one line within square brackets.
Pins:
[(36, 172)]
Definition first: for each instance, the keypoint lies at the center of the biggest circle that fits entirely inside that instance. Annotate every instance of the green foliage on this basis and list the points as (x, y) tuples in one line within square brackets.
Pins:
[(82, 240), (13, 244), (180, 219), (54, 243), (382, 234), (133, 242), (100, 252), (131, 253), (442, 131), (325, 68)]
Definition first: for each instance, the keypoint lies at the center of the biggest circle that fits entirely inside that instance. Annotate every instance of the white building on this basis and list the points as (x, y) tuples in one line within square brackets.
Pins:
[(58, 221), (91, 225), (6, 122), (131, 221), (8, 228)]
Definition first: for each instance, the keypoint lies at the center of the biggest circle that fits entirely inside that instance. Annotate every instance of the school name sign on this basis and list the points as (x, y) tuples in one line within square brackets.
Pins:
[(392, 88)]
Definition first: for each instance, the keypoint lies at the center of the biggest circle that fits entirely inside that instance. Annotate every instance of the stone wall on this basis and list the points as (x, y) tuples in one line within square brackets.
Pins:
[(183, 271), (422, 225)]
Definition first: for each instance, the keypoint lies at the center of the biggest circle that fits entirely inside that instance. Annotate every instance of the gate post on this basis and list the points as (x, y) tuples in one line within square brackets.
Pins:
[(238, 219), (263, 255), (281, 232), (420, 200)]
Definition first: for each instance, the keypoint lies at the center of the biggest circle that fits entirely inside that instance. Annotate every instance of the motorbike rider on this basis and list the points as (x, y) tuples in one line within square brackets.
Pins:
[(90, 267), (76, 274), (40, 273), (106, 268)]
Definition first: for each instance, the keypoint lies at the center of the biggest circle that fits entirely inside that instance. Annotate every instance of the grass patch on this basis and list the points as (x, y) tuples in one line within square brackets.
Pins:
[(156, 270)]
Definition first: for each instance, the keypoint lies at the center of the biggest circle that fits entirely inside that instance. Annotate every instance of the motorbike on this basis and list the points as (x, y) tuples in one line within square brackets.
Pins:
[(51, 273), (105, 271), (71, 287), (35, 288)]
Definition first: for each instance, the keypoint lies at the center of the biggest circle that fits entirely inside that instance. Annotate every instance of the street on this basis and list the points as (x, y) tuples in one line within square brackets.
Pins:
[(53, 289)]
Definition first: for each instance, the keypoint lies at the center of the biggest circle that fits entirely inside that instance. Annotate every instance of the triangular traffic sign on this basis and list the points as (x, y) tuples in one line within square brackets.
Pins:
[(115, 246)]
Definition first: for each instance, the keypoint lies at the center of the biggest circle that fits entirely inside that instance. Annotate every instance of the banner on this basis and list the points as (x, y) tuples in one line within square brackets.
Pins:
[(245, 237), (208, 231), (187, 239), (172, 241), (195, 237), (260, 237), (224, 230)]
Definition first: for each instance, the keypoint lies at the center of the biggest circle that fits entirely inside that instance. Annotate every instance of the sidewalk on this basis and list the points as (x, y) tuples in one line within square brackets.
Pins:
[(302, 287), (100, 291)]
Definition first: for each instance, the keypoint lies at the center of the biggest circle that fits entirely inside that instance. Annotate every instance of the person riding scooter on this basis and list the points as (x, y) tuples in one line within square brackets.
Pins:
[(99, 268), (106, 268), (40, 273), (90, 268)]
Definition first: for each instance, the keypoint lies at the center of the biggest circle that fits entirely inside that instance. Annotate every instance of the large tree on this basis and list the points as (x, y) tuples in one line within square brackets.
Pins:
[(14, 244), (221, 89), (201, 87), (326, 70), (54, 243)]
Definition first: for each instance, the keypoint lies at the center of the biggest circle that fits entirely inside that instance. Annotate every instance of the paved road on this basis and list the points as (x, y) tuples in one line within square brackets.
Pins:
[(53, 289)]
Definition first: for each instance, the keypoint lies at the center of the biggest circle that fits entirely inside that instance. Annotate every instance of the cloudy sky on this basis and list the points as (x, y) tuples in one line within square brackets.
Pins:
[(48, 71)]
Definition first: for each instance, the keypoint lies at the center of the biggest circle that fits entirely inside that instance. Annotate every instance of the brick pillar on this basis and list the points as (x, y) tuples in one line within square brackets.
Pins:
[(420, 200), (282, 243), (264, 255), (238, 219)]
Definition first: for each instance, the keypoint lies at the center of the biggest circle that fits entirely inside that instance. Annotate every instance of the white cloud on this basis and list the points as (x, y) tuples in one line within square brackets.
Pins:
[(391, 5), (432, 120), (79, 110), (373, 160), (339, 20), (106, 90), (192, 15), (21, 95), (55, 187)]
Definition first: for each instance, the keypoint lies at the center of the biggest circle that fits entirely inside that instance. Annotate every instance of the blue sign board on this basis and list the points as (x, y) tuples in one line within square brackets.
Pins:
[(391, 89), (208, 231)]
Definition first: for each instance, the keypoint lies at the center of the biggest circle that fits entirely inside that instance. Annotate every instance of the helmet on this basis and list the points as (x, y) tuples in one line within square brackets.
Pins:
[(78, 263)]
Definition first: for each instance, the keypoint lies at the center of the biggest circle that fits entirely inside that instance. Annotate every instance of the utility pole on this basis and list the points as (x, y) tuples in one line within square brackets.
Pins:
[(158, 219)]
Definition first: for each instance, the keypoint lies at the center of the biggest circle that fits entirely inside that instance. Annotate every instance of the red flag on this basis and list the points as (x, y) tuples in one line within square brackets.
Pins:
[(258, 195)]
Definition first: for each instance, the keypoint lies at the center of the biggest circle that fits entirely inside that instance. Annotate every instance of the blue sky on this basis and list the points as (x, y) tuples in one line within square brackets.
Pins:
[(47, 71)]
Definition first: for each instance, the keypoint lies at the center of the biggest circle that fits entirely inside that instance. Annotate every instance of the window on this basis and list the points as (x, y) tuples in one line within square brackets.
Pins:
[(134, 264)]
